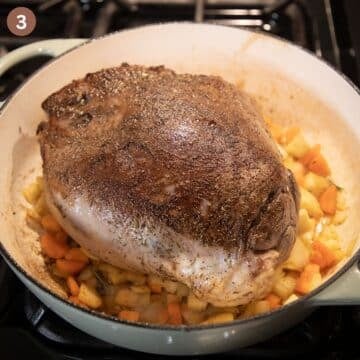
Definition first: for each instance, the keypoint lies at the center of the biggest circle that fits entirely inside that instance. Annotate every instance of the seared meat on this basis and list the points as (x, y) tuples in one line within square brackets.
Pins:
[(170, 174)]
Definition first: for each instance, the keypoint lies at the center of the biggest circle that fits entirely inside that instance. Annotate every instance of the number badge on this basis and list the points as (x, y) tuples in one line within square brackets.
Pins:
[(21, 21)]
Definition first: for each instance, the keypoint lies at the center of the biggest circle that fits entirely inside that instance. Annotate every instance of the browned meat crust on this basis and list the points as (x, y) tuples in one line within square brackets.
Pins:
[(188, 151)]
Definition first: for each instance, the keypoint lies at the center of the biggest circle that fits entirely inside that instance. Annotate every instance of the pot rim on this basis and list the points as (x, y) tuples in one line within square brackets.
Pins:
[(187, 328)]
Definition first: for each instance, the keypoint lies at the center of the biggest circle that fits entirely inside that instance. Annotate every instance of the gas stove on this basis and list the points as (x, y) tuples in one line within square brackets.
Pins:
[(329, 28)]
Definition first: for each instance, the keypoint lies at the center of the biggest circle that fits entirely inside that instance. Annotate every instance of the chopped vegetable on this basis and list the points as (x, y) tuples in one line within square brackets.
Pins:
[(191, 317), (219, 318), (126, 297), (327, 200), (49, 223), (32, 192), (315, 184), (305, 223), (174, 313), (182, 290), (315, 162), (89, 297), (276, 130), (136, 278), (328, 232), (309, 279), (40, 206), (195, 304), (140, 289), (170, 286), (339, 217), (170, 298), (341, 203), (129, 315), (112, 273), (299, 256), (310, 154), (76, 254), (274, 301), (284, 286), (155, 284), (322, 255), (319, 166), (307, 238), (261, 307), (32, 216), (155, 288), (85, 274), (288, 135), (155, 313), (72, 285), (296, 168), (92, 282), (53, 248), (69, 267), (292, 298), (309, 202), (297, 147), (61, 236)]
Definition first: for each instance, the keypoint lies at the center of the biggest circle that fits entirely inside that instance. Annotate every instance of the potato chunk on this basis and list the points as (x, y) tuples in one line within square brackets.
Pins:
[(195, 304), (299, 256), (310, 203), (89, 296)]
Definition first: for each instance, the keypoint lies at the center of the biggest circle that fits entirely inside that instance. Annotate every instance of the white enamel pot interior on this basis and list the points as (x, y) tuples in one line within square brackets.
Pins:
[(290, 85)]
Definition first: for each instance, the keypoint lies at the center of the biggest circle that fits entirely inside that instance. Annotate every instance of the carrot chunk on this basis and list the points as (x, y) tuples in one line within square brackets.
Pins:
[(69, 267), (306, 159), (322, 255), (73, 286), (319, 165), (155, 288), (155, 313), (174, 314), (274, 301), (61, 236), (328, 199), (53, 248), (49, 223), (309, 279), (129, 315), (315, 162), (77, 254)]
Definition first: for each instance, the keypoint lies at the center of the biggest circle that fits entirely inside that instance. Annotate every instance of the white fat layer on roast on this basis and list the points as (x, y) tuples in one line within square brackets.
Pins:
[(221, 277)]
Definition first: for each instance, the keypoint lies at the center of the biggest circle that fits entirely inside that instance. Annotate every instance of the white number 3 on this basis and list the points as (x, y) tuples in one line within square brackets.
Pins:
[(21, 25)]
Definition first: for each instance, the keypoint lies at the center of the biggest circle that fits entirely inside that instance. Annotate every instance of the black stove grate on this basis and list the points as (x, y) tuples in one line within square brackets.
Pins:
[(71, 18)]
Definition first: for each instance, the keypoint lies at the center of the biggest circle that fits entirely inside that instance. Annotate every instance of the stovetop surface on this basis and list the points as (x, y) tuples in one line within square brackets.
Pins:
[(329, 28)]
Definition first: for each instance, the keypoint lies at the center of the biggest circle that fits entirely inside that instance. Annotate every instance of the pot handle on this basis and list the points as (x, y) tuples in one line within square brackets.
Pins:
[(343, 291), (53, 47)]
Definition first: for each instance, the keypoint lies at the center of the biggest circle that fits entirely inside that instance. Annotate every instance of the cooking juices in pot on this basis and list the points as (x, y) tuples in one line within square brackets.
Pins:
[(131, 296)]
